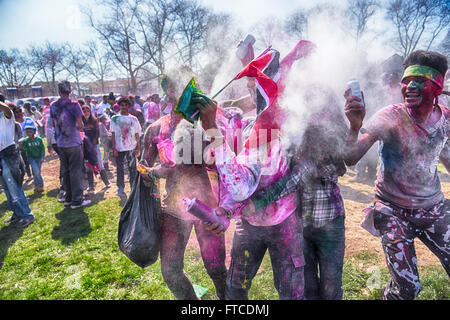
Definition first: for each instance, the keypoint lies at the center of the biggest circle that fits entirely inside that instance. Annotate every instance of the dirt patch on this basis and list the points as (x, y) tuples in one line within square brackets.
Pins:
[(356, 197)]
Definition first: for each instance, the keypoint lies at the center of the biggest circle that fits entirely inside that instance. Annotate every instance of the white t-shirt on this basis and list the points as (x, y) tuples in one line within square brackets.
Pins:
[(125, 129), (102, 107), (7, 132)]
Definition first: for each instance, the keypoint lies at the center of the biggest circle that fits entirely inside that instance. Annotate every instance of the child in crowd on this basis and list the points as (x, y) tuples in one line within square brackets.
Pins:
[(34, 149)]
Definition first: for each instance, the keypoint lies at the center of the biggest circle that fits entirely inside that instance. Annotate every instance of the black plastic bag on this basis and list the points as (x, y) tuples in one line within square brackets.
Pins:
[(140, 224)]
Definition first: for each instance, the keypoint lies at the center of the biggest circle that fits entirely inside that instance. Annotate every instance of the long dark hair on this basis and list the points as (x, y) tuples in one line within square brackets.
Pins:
[(91, 118)]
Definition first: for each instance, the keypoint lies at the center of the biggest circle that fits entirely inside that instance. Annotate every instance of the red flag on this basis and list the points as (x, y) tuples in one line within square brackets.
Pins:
[(266, 86)]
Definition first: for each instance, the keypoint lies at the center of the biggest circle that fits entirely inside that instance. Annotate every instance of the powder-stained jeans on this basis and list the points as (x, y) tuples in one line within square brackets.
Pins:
[(36, 164), (130, 158), (284, 242), (17, 201), (174, 239), (324, 259), (398, 229)]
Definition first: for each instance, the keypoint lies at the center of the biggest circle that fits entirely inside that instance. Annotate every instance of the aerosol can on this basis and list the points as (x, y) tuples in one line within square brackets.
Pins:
[(242, 49), (205, 212), (355, 89)]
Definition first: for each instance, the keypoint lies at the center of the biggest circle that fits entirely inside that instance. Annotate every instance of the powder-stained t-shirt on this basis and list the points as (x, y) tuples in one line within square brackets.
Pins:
[(409, 154), (125, 129), (65, 113), (7, 131)]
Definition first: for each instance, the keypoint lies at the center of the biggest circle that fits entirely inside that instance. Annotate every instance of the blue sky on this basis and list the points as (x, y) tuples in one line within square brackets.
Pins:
[(33, 21)]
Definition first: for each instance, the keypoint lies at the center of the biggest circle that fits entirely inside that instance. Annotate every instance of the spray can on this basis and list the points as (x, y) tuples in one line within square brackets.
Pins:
[(242, 48), (355, 89), (205, 212)]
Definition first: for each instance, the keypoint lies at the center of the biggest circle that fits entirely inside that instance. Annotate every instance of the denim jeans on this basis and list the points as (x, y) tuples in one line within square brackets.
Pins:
[(250, 243), (17, 201), (324, 260), (71, 163), (36, 164), (130, 158)]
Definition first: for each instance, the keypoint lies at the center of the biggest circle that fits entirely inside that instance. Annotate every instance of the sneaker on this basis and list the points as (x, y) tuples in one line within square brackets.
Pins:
[(83, 204), (61, 197), (91, 190), (39, 189), (67, 203), (120, 191), (11, 219), (23, 223)]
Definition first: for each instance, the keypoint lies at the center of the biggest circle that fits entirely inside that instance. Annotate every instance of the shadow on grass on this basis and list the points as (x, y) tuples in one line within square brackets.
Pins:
[(123, 199), (3, 208), (53, 193), (34, 196), (74, 224), (8, 236)]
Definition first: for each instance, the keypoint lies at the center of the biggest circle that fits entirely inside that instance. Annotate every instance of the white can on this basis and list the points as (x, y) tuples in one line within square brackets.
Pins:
[(355, 89), (242, 49)]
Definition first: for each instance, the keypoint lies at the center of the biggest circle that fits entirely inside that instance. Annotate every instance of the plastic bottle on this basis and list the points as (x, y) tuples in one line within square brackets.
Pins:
[(355, 89), (205, 212), (242, 49)]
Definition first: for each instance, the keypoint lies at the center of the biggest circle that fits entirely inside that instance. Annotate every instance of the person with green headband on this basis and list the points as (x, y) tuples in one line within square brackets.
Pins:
[(409, 202)]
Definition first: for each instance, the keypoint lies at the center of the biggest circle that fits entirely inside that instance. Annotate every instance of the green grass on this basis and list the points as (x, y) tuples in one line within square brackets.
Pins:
[(70, 254)]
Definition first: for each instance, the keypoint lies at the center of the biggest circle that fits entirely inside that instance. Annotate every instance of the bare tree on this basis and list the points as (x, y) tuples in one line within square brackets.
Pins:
[(15, 69), (269, 30), (100, 63), (157, 25), (48, 61), (418, 22), (192, 24), (296, 24), (359, 13), (444, 46), (119, 29), (75, 63)]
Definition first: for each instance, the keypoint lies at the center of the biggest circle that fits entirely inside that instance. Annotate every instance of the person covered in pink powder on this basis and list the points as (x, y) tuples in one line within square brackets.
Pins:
[(126, 143), (153, 108), (275, 228), (409, 202), (186, 177)]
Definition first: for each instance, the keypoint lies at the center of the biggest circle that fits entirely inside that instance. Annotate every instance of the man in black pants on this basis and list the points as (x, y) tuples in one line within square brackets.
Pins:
[(66, 119)]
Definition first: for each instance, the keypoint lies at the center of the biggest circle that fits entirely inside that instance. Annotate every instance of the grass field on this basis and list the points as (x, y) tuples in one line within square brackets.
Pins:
[(73, 254)]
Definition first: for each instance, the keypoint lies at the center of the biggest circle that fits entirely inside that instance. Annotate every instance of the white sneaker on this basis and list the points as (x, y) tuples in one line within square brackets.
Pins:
[(83, 204)]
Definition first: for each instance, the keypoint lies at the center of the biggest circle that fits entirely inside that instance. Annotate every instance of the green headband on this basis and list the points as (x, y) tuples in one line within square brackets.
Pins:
[(426, 72)]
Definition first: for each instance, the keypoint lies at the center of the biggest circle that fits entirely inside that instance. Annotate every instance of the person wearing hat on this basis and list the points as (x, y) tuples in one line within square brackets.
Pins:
[(409, 202), (34, 149), (11, 173), (67, 120)]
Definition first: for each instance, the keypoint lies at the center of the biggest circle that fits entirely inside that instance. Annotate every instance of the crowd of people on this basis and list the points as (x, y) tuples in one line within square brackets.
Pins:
[(287, 203)]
